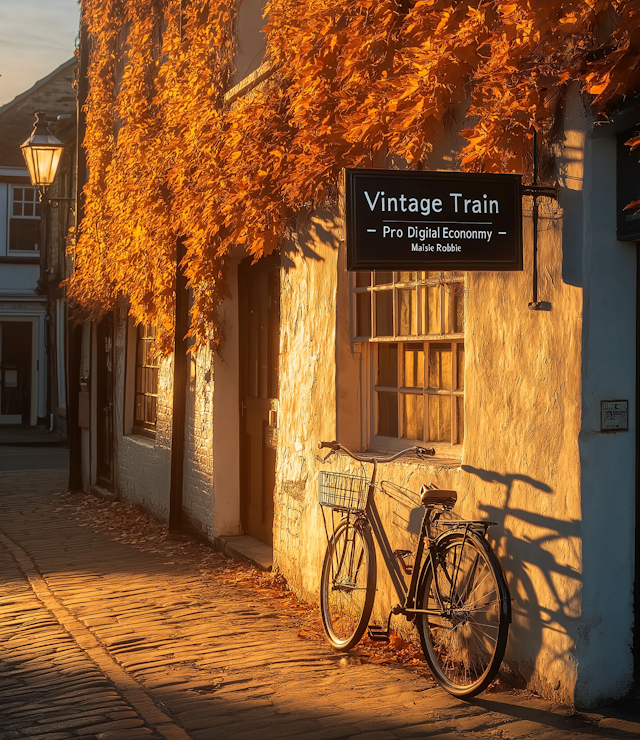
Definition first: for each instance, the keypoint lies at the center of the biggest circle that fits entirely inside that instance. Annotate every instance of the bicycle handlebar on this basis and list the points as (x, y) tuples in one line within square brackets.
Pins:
[(421, 452)]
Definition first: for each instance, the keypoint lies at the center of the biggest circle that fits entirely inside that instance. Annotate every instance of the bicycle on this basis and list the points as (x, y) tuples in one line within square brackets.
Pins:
[(457, 597)]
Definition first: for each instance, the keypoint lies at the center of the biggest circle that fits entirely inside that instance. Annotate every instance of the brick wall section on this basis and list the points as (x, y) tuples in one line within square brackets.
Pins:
[(142, 465), (197, 495)]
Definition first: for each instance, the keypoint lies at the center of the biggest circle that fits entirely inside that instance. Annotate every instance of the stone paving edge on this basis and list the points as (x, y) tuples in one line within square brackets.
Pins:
[(127, 686)]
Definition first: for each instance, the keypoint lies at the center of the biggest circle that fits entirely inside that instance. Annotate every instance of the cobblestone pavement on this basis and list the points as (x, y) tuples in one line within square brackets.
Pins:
[(100, 640)]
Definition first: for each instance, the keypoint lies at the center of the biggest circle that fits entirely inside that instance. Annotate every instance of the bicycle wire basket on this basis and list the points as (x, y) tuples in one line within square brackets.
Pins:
[(341, 491)]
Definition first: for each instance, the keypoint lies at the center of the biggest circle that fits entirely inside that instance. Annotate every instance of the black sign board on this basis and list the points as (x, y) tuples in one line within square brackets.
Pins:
[(416, 220), (628, 189)]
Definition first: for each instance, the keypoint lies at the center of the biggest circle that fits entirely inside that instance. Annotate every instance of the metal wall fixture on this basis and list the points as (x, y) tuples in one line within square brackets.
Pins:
[(537, 191)]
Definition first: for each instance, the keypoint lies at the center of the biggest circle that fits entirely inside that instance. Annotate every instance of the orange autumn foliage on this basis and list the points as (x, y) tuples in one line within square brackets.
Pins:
[(354, 84)]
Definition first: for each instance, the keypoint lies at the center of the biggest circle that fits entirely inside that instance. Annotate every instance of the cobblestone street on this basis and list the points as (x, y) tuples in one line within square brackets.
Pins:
[(102, 640)]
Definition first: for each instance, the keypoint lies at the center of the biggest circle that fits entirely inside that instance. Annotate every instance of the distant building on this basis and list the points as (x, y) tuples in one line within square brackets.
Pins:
[(32, 315)]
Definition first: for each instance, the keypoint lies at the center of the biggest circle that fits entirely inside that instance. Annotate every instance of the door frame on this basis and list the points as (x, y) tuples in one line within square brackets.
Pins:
[(266, 264), (36, 362)]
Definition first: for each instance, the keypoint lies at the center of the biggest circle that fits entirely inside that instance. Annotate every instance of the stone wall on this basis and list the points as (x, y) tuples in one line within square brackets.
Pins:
[(523, 462)]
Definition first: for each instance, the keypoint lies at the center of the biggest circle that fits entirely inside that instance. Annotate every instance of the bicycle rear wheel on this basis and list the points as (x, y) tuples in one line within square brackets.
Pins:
[(465, 635), (348, 584)]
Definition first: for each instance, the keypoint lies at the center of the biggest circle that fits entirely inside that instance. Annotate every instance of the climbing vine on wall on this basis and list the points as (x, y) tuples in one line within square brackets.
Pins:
[(355, 83)]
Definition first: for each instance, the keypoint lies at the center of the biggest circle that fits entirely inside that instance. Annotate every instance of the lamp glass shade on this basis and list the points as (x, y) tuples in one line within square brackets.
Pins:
[(42, 162), (42, 152)]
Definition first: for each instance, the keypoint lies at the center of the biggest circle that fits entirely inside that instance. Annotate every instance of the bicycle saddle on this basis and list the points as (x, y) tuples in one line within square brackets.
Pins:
[(437, 497)]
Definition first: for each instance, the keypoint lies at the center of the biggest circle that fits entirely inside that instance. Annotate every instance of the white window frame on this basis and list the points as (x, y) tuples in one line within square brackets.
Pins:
[(10, 217), (368, 347)]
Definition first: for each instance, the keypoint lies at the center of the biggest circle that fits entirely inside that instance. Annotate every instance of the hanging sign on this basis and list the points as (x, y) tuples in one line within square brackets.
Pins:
[(627, 189), (398, 219)]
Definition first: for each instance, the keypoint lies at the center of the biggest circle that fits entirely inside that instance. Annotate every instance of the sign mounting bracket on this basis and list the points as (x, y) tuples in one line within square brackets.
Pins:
[(537, 191)]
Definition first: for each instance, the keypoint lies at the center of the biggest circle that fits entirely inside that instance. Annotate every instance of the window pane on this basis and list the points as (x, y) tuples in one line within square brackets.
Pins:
[(439, 418), (407, 277), (460, 382), (18, 194), (23, 235), (150, 411), (30, 194), (28, 209), (388, 365), (431, 316), (454, 319), (413, 366), (17, 209), (382, 278), (413, 427), (151, 371), (384, 313), (440, 366), (363, 279), (363, 314), (407, 312), (146, 377), (460, 412), (387, 414)]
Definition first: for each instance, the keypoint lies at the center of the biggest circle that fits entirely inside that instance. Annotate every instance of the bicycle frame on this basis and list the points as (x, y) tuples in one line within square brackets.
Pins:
[(463, 624), (408, 609)]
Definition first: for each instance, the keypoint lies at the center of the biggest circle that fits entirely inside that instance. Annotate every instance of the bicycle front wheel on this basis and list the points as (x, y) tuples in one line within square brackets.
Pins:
[(464, 635), (348, 584)]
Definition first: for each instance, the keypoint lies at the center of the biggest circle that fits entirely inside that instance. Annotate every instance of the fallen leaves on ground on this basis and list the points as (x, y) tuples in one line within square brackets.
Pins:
[(132, 526)]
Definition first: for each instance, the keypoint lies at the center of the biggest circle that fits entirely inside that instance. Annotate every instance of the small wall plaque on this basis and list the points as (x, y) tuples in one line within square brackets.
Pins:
[(614, 416)]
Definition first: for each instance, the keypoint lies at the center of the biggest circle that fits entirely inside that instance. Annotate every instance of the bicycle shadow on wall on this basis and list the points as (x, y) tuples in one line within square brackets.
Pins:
[(523, 540)]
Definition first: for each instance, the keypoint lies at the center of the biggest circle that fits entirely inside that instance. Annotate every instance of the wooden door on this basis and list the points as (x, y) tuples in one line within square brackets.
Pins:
[(259, 291)]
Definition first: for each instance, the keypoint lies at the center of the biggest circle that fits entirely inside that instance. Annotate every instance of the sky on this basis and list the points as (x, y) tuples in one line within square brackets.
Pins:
[(36, 36)]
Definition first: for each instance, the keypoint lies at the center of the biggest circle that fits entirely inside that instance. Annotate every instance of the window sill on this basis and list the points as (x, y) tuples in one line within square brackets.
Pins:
[(24, 258), (446, 454), (144, 440)]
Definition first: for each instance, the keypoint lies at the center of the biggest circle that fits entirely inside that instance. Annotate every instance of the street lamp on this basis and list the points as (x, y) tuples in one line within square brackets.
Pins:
[(42, 152)]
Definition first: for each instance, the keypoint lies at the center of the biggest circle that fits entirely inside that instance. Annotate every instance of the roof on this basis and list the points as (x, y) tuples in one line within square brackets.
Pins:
[(53, 94)]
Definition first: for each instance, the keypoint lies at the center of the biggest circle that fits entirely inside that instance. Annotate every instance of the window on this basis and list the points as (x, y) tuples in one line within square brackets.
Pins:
[(24, 221), (146, 395), (414, 325)]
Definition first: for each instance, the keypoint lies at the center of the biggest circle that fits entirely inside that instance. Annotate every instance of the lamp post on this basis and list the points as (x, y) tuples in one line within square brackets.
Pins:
[(42, 152)]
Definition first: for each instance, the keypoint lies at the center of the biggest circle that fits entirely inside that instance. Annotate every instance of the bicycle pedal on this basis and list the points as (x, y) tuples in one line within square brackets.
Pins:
[(377, 634)]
